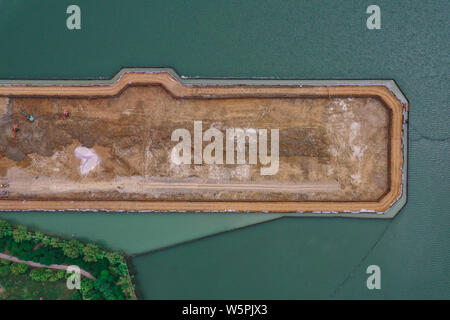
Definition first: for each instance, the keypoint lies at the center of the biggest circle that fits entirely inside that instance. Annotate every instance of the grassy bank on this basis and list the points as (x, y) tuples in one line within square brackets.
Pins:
[(23, 287)]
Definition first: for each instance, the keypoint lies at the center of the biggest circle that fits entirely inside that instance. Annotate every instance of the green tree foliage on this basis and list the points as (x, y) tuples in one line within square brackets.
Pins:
[(43, 274), (122, 269), (54, 243), (21, 234), (61, 274), (38, 236), (72, 248), (91, 253), (22, 250), (105, 284), (18, 268), (87, 289), (5, 229), (76, 296), (4, 271), (53, 276), (123, 282), (36, 274), (127, 288), (113, 257)]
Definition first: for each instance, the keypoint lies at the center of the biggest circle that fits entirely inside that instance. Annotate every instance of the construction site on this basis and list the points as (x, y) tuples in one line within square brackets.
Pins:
[(118, 148)]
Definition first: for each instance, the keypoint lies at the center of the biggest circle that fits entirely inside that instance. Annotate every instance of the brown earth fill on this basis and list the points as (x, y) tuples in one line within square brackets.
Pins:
[(342, 142)]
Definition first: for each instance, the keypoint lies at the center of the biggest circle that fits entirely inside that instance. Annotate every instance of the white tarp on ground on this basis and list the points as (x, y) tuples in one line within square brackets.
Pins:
[(89, 159)]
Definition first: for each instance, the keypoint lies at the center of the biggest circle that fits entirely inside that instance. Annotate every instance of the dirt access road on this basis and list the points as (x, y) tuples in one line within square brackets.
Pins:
[(39, 265)]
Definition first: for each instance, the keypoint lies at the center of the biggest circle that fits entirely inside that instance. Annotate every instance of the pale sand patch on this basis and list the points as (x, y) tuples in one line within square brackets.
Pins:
[(89, 159), (22, 183)]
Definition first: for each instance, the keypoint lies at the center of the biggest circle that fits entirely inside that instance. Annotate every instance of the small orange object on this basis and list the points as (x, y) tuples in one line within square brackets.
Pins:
[(15, 129)]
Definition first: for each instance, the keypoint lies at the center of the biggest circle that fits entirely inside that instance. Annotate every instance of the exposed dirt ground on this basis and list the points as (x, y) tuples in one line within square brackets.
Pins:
[(341, 143)]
